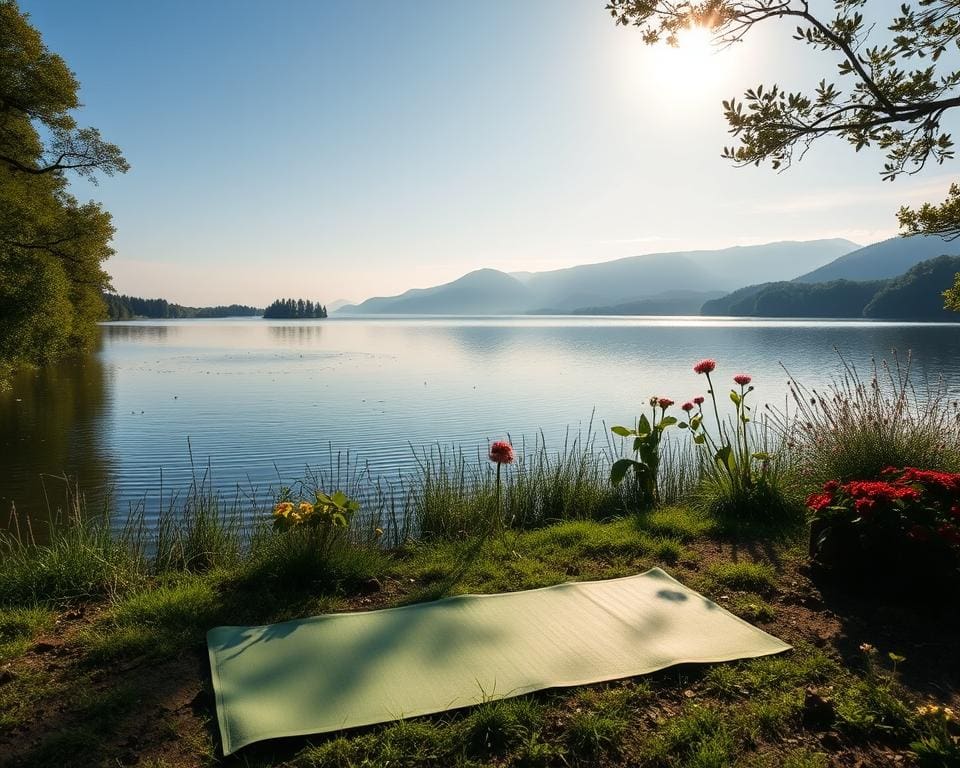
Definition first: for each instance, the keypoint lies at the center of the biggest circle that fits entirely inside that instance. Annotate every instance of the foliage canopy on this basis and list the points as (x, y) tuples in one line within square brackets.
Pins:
[(52, 247)]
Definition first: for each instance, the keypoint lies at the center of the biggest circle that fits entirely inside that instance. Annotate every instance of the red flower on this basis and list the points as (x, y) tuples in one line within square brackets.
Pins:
[(948, 481), (664, 402), (687, 407), (879, 490), (955, 511), (830, 486), (705, 366), (864, 506), (742, 379), (817, 501), (698, 400), (501, 452)]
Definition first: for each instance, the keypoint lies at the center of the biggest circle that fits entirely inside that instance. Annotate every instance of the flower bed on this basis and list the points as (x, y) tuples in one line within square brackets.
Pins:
[(903, 529)]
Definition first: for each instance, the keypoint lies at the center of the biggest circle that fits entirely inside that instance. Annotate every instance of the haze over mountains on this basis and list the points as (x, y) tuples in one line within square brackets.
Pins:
[(817, 278), (623, 281)]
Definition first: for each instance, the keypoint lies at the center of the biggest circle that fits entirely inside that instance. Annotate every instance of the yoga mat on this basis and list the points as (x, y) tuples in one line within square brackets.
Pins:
[(344, 670)]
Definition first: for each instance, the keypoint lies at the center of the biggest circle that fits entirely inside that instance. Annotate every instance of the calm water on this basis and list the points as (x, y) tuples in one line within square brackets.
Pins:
[(261, 400)]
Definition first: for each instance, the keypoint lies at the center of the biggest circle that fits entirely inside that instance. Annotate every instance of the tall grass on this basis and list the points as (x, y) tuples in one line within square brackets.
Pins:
[(77, 556), (454, 494), (861, 424), (450, 495)]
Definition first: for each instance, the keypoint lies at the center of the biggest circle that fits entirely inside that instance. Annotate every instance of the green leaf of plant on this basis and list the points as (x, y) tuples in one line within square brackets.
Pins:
[(619, 470), (644, 426), (622, 431), (761, 456), (735, 397), (667, 421)]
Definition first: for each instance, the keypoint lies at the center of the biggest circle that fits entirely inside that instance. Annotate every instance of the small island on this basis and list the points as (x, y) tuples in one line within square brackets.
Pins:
[(295, 309)]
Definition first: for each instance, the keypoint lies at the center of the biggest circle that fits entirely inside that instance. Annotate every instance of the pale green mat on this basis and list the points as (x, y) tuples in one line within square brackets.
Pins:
[(343, 670)]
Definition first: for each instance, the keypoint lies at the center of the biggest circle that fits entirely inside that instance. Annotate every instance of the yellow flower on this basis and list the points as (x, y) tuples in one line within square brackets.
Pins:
[(283, 509), (306, 508), (934, 710), (378, 532)]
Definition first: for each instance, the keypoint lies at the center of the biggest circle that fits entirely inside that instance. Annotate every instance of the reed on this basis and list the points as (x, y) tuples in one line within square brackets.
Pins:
[(860, 424)]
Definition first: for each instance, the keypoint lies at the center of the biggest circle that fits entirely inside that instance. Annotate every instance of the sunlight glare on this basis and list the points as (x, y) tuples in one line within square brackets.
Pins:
[(691, 56)]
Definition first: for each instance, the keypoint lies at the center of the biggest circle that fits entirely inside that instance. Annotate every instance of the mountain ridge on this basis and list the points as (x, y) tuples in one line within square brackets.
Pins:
[(608, 283)]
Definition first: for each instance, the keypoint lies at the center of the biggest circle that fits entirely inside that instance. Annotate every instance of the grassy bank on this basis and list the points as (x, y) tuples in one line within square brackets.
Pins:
[(102, 625)]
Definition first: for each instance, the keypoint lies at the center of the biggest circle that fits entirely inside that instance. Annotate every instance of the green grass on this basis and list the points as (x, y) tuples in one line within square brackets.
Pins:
[(19, 627), (743, 576), (530, 559), (682, 523)]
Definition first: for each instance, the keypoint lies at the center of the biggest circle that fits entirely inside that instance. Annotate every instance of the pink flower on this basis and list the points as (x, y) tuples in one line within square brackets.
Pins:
[(501, 452), (698, 400), (742, 379), (705, 366), (664, 402), (687, 407)]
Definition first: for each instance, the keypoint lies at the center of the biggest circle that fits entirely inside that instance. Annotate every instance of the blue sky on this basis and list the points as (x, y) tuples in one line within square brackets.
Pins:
[(348, 149)]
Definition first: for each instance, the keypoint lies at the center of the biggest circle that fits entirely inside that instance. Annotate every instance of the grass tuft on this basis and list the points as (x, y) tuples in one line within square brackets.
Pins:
[(861, 424), (745, 577)]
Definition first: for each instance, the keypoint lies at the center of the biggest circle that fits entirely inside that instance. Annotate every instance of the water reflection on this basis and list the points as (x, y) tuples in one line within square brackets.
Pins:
[(54, 421)]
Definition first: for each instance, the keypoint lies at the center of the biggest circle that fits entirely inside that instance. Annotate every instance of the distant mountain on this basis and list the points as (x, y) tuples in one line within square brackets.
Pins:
[(485, 292), (883, 260), (918, 294), (915, 295), (333, 306), (838, 298), (666, 303), (609, 283)]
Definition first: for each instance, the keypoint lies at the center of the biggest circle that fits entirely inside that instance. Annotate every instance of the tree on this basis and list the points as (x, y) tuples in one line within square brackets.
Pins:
[(892, 93), (52, 247)]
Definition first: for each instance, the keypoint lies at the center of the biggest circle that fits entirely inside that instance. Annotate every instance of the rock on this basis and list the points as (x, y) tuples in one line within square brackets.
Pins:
[(818, 712), (371, 586)]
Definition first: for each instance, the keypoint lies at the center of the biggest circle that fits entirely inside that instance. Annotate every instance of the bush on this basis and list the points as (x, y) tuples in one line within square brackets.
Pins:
[(905, 527), (856, 428)]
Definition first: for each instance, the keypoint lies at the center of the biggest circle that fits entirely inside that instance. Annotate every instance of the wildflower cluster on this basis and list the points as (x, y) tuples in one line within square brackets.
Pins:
[(731, 447), (324, 511), (918, 504)]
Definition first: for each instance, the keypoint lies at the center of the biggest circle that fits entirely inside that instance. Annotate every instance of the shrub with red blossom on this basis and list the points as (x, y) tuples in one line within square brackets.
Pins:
[(907, 522)]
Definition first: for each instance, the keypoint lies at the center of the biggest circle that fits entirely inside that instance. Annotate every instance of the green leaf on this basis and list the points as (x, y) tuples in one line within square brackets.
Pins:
[(696, 421), (682, 425), (699, 439), (761, 456), (644, 426), (667, 421), (735, 397), (622, 431), (619, 470)]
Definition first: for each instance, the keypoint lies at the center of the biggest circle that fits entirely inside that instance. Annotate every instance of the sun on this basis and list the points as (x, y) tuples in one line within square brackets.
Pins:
[(693, 50)]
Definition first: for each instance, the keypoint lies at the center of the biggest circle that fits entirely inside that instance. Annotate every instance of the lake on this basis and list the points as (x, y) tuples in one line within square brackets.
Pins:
[(259, 401)]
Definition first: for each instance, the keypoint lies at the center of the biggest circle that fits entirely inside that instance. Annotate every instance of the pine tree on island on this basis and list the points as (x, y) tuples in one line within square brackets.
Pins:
[(295, 309)]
